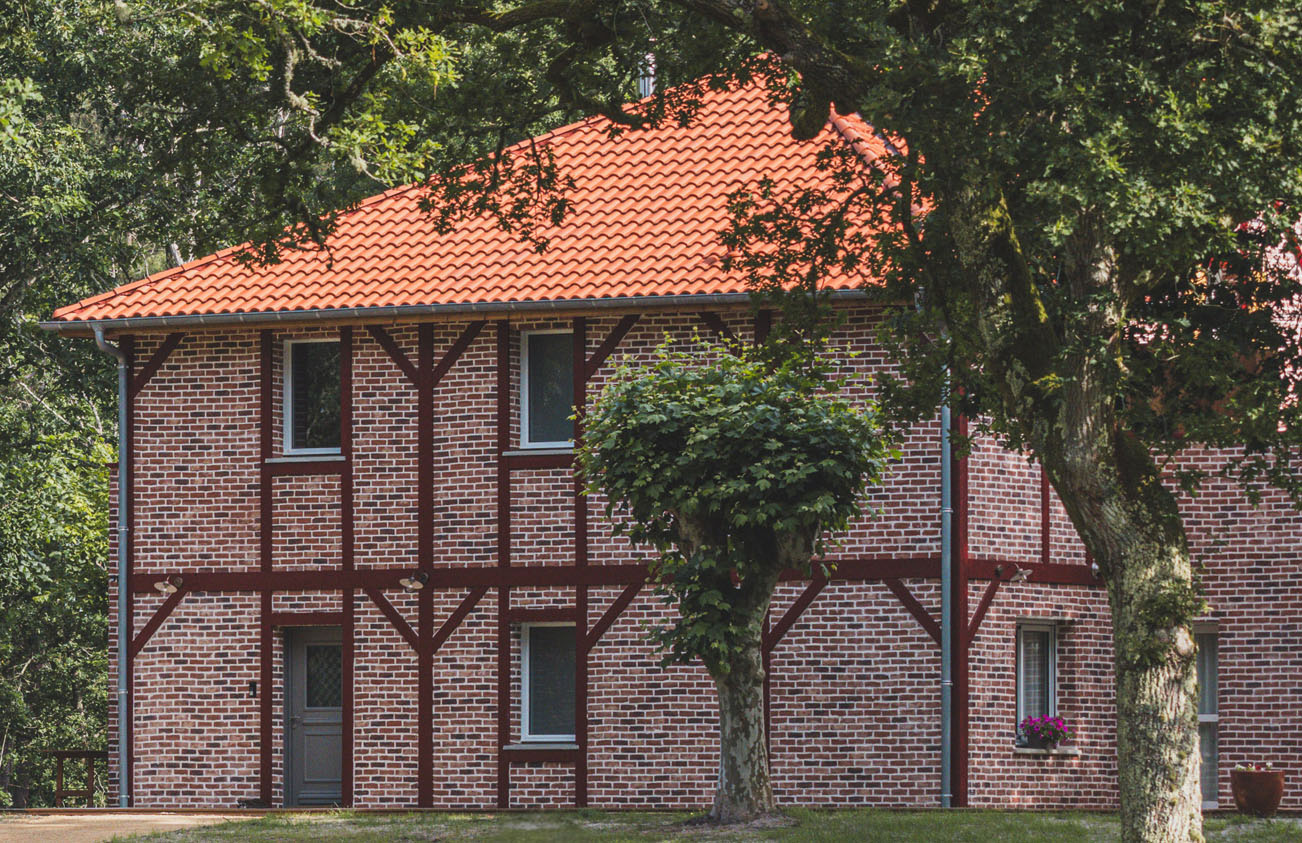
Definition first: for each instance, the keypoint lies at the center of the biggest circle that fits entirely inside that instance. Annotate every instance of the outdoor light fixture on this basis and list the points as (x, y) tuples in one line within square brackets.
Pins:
[(1094, 569), (168, 586), (1020, 575), (415, 582)]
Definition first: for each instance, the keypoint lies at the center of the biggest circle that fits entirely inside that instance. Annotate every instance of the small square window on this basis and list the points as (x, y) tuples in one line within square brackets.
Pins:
[(312, 397), (1037, 669), (547, 680), (546, 389)]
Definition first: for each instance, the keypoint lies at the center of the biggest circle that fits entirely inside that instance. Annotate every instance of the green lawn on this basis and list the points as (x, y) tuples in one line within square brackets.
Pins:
[(805, 825)]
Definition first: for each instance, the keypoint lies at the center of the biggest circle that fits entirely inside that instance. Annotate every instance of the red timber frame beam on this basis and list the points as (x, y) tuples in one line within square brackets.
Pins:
[(861, 569), (961, 675)]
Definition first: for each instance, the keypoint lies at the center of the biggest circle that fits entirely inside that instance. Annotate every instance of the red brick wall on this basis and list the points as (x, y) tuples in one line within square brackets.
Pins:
[(1250, 562), (855, 702)]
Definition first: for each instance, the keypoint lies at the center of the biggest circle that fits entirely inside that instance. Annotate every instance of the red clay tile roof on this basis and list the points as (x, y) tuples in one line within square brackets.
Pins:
[(647, 207)]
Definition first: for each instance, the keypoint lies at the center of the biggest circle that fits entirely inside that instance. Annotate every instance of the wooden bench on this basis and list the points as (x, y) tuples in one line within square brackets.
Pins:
[(90, 756)]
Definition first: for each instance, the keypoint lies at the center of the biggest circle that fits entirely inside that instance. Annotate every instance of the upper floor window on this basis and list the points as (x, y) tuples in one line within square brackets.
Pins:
[(1037, 668), (312, 399), (546, 389), (547, 674)]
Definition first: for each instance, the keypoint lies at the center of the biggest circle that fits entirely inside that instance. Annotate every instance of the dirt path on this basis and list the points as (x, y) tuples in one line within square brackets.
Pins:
[(92, 828)]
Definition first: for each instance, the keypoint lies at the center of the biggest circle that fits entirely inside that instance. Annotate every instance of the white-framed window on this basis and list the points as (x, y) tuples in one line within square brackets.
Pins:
[(312, 400), (1208, 712), (546, 389), (1037, 670), (547, 657)]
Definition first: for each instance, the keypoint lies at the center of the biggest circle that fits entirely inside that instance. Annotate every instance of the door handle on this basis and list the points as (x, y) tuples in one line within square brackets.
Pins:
[(295, 722)]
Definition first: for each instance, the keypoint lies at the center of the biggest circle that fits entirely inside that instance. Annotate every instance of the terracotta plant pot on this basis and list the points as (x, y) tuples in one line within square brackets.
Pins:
[(1257, 792)]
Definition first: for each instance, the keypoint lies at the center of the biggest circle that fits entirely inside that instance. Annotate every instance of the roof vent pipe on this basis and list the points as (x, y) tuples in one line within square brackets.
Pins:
[(124, 503)]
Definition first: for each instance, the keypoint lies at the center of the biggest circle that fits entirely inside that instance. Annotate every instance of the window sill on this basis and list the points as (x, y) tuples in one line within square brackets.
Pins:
[(333, 456), (1062, 750), (538, 450), (528, 746)]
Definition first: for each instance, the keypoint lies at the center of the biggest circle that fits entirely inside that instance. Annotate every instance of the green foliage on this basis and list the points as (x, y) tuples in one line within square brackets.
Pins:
[(53, 586), (733, 469)]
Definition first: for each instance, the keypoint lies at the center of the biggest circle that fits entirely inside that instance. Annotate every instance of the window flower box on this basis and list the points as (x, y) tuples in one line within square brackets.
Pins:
[(1045, 732)]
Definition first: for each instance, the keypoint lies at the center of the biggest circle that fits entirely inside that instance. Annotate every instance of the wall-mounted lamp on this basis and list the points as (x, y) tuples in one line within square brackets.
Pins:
[(169, 586), (415, 582), (1094, 569), (1020, 574)]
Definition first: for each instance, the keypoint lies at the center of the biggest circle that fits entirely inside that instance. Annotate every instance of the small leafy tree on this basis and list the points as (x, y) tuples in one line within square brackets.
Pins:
[(734, 470)]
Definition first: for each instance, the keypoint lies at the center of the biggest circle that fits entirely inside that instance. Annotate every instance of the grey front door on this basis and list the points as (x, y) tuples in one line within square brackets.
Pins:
[(313, 716)]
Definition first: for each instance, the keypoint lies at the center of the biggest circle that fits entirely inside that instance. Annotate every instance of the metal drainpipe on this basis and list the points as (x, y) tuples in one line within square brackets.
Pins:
[(124, 503), (946, 612)]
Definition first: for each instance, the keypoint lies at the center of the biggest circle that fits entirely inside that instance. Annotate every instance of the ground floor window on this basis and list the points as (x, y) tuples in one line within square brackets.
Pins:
[(1208, 715), (1037, 667), (547, 682)]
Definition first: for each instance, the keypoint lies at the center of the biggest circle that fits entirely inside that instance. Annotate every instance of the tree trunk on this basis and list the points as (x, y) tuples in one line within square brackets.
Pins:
[(745, 790), (1131, 525), (1157, 721), (1057, 384)]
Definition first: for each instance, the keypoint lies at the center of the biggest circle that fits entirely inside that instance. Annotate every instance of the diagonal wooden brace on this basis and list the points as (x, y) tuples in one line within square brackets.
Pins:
[(138, 643), (915, 608), (793, 613), (453, 354), (395, 353), (612, 614), (454, 620), (154, 363), (608, 345), (395, 617), (981, 609)]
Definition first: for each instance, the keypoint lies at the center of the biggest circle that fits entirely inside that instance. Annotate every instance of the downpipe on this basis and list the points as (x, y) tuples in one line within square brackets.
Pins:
[(946, 611), (124, 504)]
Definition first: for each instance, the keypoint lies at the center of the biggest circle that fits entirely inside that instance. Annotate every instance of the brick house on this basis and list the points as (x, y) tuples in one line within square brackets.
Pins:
[(360, 571)]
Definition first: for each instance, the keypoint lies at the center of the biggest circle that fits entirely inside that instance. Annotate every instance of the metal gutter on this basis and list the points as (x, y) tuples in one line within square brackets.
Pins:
[(124, 508), (341, 314)]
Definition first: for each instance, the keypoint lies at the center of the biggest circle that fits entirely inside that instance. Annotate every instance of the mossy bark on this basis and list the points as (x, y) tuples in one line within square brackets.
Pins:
[(744, 790), (1131, 524)]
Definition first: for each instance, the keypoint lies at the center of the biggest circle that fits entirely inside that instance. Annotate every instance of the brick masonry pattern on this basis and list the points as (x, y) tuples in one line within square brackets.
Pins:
[(855, 691)]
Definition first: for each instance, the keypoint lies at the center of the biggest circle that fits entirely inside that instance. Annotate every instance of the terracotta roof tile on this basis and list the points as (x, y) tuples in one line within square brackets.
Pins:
[(647, 208)]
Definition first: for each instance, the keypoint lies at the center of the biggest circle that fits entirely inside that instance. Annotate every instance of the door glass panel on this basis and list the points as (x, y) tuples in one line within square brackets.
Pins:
[(324, 670)]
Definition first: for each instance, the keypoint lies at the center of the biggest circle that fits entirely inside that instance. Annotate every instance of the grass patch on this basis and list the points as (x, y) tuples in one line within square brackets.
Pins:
[(804, 826)]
